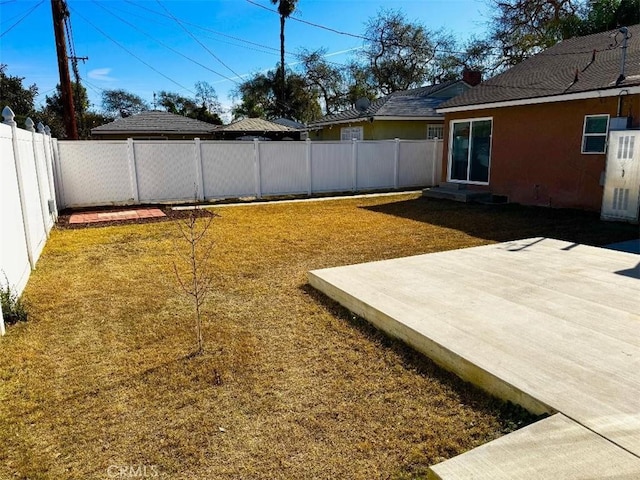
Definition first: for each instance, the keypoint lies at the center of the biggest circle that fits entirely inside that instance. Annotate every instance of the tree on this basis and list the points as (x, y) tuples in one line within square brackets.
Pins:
[(14, 95), (195, 277), (603, 15), (259, 99), (207, 97), (176, 103), (285, 9), (522, 28), (400, 54), (188, 107), (52, 112), (122, 103), (328, 81)]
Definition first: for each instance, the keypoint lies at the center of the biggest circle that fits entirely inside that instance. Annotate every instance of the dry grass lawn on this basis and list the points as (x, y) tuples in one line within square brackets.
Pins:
[(291, 386)]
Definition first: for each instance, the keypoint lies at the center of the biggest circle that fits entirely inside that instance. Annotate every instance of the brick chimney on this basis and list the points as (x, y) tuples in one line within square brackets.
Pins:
[(472, 77)]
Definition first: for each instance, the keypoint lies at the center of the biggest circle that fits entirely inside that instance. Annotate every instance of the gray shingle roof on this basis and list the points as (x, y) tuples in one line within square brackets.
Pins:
[(553, 71), (155, 121), (417, 102), (256, 125)]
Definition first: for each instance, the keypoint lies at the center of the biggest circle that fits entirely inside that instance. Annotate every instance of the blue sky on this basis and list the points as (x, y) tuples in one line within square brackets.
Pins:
[(141, 45)]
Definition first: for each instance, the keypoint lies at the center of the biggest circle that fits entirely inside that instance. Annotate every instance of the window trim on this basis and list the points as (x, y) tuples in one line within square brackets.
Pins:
[(585, 134), (360, 129), (450, 151)]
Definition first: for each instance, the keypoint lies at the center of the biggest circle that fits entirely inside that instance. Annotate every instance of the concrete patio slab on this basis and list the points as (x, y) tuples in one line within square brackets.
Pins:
[(547, 324)]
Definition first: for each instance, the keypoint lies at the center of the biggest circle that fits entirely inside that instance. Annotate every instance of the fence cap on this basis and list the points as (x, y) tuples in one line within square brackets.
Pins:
[(40, 127), (9, 116), (29, 124)]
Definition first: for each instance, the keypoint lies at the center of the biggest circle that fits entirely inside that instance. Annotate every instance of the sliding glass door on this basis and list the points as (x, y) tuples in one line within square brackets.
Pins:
[(470, 151)]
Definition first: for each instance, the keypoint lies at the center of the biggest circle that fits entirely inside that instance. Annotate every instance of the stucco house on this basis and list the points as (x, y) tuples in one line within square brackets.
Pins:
[(408, 114), (537, 133), (154, 125)]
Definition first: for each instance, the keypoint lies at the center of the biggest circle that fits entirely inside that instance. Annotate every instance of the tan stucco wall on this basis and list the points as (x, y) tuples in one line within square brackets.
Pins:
[(536, 154), (380, 130)]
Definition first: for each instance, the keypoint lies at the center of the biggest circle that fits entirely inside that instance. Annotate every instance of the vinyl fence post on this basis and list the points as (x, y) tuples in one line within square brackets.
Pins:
[(57, 170), (199, 175), (307, 144), (396, 162), (48, 154), (133, 174), (43, 207), (2, 329), (256, 158), (354, 162), (434, 159), (9, 116)]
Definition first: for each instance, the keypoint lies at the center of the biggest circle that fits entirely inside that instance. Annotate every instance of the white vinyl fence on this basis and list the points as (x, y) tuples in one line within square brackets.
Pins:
[(135, 171), (27, 199)]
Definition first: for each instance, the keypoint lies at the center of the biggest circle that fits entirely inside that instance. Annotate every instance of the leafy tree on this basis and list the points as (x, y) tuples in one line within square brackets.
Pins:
[(285, 9), (122, 103), (521, 28), (327, 80), (258, 98), (16, 96), (176, 103), (52, 113), (361, 83), (603, 15), (188, 107), (399, 53), (207, 97)]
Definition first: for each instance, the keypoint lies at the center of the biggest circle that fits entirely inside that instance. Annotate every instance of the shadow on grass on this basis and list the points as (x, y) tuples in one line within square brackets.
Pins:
[(511, 416), (509, 222)]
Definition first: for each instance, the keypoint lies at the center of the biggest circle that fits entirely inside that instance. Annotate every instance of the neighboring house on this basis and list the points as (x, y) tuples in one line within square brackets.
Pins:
[(154, 125), (537, 133), (250, 128), (408, 114)]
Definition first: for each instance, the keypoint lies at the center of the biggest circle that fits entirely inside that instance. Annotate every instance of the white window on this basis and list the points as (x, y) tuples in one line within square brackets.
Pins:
[(351, 133), (435, 131), (594, 133)]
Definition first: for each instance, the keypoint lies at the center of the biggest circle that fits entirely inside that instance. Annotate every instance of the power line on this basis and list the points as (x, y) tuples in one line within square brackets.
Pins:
[(333, 30), (21, 19), (196, 39), (164, 44), (131, 53), (184, 22)]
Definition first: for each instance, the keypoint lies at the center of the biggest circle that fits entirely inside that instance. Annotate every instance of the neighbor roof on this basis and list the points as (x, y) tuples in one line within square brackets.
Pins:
[(572, 67), (256, 125), (155, 121), (416, 103)]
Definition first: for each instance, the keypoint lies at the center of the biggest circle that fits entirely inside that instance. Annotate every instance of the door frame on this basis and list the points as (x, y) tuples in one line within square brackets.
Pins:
[(450, 150)]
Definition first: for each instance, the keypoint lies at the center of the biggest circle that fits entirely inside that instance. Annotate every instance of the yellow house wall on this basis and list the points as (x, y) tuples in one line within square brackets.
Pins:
[(379, 130)]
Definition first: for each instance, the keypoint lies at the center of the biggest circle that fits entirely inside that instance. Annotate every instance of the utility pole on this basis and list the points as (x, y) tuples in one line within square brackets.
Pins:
[(60, 12)]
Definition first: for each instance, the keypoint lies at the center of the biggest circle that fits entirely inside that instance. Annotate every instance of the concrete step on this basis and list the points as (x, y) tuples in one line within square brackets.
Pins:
[(457, 194)]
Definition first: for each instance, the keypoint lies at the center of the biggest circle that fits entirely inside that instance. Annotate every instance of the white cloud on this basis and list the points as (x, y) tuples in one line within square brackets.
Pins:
[(101, 74)]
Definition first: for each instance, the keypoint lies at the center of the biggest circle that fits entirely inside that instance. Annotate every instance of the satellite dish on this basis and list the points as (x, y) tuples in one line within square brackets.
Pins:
[(362, 104)]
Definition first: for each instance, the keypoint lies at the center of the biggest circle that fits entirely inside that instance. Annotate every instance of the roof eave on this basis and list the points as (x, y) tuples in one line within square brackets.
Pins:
[(607, 92)]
